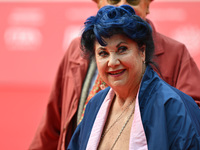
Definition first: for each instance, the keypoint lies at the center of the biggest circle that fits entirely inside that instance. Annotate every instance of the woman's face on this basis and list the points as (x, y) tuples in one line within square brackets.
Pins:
[(120, 62), (141, 7)]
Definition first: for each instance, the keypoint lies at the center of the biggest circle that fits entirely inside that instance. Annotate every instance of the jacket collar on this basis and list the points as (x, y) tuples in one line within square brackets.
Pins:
[(78, 70), (157, 40), (148, 81)]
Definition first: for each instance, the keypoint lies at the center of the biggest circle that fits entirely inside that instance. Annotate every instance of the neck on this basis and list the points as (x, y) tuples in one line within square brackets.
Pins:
[(125, 94), (123, 99)]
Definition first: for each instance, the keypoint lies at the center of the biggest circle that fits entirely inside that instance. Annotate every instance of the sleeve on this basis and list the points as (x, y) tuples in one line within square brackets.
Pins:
[(48, 132), (81, 134), (188, 80), (182, 133)]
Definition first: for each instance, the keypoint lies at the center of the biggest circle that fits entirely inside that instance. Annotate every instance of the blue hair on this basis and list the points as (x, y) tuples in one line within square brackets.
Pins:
[(112, 20)]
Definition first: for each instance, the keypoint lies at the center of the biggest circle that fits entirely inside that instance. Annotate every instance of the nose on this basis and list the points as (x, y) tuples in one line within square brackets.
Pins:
[(113, 61), (122, 2)]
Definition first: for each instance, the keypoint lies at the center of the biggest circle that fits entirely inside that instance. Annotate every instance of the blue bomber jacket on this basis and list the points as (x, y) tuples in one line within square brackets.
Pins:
[(171, 119)]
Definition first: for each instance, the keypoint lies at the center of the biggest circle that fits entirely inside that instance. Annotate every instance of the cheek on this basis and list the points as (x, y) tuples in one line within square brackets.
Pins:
[(131, 62), (102, 3), (140, 11), (101, 65), (128, 60)]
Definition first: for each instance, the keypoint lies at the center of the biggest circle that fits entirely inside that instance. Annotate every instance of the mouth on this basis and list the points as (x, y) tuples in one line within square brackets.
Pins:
[(117, 72)]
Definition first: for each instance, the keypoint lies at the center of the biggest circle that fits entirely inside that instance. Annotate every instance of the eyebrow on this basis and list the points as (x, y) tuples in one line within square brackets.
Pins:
[(101, 48), (121, 43), (104, 47)]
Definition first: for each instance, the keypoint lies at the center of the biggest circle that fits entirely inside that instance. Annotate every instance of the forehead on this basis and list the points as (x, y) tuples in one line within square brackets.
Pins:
[(97, 1), (115, 0), (139, 5), (116, 39)]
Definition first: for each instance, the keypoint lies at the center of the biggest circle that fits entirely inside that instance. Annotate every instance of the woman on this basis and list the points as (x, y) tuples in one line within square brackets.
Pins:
[(138, 110)]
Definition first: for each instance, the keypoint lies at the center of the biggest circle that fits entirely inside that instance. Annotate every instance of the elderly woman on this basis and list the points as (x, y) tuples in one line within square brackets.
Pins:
[(138, 110)]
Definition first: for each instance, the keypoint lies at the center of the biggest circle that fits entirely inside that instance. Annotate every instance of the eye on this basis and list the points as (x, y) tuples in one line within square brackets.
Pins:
[(103, 53), (122, 49), (133, 2)]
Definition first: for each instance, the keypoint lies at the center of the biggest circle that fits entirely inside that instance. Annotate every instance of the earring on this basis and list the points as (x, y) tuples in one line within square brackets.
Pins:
[(103, 85)]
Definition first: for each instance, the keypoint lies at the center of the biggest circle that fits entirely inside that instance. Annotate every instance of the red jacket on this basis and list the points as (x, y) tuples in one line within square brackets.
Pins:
[(57, 126)]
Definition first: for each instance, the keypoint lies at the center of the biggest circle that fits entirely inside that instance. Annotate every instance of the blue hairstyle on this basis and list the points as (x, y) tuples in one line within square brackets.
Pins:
[(112, 20)]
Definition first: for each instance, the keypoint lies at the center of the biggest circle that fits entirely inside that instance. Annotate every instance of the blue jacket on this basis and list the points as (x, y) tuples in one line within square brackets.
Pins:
[(171, 119)]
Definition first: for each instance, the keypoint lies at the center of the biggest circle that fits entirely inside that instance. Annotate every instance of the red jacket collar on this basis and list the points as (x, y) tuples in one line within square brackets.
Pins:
[(157, 39)]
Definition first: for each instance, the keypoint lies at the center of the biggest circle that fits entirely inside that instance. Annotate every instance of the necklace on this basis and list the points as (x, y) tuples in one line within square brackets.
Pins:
[(118, 118), (123, 128)]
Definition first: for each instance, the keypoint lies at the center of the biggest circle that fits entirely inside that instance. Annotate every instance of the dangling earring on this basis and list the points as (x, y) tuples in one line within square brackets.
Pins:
[(103, 85)]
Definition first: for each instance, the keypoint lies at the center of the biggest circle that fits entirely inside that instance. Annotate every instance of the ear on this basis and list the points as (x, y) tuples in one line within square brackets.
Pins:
[(148, 12), (148, 5), (142, 52)]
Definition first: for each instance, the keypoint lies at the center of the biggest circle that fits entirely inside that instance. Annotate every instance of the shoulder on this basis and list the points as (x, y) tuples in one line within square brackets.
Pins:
[(171, 48), (165, 44), (158, 37), (73, 56), (73, 48), (168, 44), (167, 99), (155, 90), (169, 94), (168, 40)]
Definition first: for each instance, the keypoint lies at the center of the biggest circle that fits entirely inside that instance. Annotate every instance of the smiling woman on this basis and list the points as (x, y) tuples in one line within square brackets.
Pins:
[(119, 62), (138, 106)]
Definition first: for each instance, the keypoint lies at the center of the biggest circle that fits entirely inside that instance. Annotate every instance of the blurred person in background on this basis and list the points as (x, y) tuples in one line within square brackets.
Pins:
[(76, 76)]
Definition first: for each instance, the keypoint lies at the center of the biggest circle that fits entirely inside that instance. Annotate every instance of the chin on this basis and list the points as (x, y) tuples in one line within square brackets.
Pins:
[(118, 85)]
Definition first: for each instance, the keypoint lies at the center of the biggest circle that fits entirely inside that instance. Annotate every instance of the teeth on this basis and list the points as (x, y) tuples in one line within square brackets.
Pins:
[(116, 73)]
